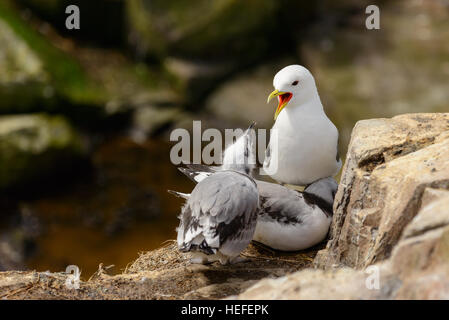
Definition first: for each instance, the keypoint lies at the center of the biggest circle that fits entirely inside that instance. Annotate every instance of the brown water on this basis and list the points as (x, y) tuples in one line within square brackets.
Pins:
[(108, 217)]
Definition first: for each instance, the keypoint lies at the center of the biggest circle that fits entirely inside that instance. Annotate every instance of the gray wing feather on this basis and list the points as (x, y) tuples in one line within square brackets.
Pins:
[(290, 206), (221, 210), (281, 203)]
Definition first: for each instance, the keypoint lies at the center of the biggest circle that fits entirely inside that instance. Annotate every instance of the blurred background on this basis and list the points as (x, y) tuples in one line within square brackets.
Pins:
[(85, 115)]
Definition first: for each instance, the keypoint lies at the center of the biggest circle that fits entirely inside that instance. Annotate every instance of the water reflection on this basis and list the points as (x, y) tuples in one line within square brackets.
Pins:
[(108, 216)]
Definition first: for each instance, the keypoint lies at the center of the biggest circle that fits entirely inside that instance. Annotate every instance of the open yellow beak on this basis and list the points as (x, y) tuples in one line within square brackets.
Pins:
[(283, 100)]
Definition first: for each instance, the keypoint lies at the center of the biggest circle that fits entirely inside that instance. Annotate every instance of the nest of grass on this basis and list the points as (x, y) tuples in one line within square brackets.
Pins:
[(259, 256)]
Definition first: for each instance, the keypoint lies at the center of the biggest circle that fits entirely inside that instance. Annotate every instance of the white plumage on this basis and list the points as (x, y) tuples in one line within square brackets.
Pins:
[(305, 149)]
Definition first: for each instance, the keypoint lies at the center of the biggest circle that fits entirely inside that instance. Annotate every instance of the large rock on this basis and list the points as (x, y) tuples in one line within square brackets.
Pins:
[(389, 164), (35, 146)]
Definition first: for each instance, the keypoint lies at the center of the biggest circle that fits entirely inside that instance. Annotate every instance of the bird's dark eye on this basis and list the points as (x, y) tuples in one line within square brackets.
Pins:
[(295, 83)]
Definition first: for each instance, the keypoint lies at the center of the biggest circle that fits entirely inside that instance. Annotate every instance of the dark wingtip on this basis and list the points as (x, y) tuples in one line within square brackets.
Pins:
[(182, 169), (252, 125), (189, 172)]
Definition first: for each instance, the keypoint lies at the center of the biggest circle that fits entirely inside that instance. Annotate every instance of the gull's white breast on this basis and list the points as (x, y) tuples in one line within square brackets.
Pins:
[(306, 146)]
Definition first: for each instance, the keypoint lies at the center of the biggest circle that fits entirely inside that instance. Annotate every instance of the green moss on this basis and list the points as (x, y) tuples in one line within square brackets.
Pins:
[(66, 74)]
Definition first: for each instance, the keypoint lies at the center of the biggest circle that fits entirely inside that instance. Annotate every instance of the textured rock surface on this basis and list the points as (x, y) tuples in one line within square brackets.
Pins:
[(344, 283), (390, 162), (417, 269)]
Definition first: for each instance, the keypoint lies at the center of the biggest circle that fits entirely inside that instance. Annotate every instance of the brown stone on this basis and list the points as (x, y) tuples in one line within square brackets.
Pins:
[(390, 162)]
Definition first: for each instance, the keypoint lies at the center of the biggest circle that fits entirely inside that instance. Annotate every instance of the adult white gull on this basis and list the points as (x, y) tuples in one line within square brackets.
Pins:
[(305, 147)]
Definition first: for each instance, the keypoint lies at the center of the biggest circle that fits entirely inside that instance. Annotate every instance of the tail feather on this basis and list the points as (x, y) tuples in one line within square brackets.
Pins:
[(179, 194), (202, 247)]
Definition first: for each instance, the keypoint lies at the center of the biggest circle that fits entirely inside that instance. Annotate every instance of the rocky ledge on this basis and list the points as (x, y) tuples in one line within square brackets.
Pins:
[(159, 274), (389, 237)]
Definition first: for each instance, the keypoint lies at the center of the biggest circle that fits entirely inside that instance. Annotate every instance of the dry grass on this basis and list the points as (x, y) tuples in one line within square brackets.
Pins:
[(164, 273)]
